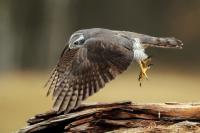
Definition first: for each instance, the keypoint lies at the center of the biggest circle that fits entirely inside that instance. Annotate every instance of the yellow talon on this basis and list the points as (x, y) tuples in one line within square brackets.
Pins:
[(144, 66)]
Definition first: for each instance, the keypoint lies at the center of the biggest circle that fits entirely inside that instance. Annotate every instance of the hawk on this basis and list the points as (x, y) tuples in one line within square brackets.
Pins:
[(93, 57)]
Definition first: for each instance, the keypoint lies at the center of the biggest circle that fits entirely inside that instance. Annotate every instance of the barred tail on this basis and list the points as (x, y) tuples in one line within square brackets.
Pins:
[(150, 41), (167, 42)]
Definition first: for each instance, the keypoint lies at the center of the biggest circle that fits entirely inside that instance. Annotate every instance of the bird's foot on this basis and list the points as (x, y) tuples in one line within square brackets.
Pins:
[(144, 66)]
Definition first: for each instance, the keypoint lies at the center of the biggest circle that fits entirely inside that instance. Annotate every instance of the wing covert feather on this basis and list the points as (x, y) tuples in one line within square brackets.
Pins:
[(84, 71)]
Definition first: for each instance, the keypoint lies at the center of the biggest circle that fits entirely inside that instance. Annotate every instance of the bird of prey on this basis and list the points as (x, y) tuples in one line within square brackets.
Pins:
[(95, 56)]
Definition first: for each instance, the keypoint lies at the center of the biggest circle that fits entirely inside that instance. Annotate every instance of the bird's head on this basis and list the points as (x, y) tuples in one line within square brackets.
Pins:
[(76, 40)]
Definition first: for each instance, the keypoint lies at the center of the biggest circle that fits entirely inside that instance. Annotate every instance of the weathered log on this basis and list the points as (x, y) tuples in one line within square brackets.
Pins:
[(119, 117)]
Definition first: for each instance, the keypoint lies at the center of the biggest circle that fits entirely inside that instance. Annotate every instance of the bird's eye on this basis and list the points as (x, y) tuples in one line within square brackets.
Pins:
[(76, 43)]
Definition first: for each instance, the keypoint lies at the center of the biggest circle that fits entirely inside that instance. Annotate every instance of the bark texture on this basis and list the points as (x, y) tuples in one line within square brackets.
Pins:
[(120, 117)]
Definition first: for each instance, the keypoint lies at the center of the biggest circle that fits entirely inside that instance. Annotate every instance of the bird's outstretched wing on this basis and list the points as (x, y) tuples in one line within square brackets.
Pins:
[(82, 72)]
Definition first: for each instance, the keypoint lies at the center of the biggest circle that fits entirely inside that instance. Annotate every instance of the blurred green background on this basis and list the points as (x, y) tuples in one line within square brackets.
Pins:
[(34, 32)]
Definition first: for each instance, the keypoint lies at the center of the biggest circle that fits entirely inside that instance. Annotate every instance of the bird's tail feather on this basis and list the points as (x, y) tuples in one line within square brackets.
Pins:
[(150, 41), (162, 42)]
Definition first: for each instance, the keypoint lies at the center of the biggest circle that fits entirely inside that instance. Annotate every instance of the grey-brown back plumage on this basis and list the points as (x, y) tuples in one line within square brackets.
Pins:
[(82, 72)]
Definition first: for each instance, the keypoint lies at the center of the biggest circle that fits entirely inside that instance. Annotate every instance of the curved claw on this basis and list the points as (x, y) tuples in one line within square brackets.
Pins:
[(149, 66)]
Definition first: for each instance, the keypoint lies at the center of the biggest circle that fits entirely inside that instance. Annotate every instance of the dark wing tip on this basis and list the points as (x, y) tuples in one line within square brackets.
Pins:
[(179, 44)]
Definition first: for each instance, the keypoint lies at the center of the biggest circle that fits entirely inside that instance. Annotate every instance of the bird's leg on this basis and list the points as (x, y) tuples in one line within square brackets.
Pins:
[(144, 66)]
